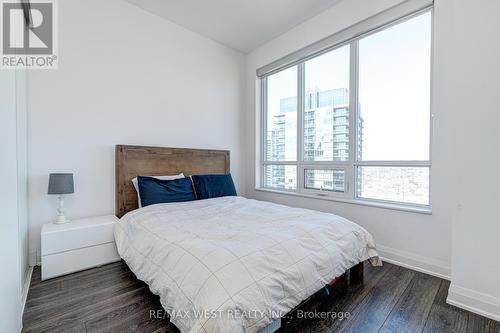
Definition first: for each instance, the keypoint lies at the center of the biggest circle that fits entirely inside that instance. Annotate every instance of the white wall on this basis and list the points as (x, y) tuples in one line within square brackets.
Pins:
[(125, 77), (418, 240), (474, 91)]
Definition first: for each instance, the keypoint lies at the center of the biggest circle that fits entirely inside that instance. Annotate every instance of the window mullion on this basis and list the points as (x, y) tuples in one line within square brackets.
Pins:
[(342, 164), (394, 163), (300, 118), (263, 136), (279, 163), (353, 119)]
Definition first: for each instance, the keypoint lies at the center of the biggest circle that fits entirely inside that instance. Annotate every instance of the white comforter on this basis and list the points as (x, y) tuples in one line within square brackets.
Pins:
[(233, 264)]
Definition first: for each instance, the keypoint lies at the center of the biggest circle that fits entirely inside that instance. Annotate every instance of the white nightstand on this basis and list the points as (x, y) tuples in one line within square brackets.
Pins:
[(78, 245)]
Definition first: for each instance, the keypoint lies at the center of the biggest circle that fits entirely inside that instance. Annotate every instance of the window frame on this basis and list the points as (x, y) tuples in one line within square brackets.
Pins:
[(351, 165)]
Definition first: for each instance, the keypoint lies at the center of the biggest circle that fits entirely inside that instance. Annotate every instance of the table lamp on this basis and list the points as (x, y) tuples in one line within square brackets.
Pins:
[(61, 184)]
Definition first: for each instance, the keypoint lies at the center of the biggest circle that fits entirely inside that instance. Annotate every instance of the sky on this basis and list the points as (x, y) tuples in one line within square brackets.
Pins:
[(394, 90)]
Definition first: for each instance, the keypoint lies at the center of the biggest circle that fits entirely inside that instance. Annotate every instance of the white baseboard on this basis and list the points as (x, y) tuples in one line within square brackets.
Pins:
[(431, 266), (473, 301), (26, 288), (467, 299)]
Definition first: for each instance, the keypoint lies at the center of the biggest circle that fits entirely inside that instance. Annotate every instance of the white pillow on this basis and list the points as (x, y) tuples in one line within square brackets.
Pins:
[(136, 184)]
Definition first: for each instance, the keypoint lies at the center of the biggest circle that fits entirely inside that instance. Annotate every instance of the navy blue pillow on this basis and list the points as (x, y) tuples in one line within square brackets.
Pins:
[(213, 186), (153, 191)]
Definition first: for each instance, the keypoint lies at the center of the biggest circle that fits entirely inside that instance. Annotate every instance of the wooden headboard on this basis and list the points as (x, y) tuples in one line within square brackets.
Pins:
[(132, 161)]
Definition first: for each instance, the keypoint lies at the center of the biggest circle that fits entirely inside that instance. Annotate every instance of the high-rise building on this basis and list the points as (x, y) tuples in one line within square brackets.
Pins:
[(278, 175), (325, 138), (326, 125), (275, 177)]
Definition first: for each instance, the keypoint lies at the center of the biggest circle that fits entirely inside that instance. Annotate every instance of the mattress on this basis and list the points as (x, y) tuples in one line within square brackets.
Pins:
[(233, 264)]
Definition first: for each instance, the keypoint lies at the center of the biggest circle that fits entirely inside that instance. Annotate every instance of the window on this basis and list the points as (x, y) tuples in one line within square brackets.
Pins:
[(281, 106), (325, 180), (356, 114), (325, 114)]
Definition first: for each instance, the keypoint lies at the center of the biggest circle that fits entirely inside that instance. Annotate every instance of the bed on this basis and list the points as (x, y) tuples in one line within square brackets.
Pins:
[(228, 264)]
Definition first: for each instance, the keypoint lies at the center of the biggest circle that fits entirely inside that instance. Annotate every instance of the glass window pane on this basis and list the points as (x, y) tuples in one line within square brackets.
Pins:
[(280, 176), (394, 92), (327, 180), (326, 107), (401, 184), (281, 136)]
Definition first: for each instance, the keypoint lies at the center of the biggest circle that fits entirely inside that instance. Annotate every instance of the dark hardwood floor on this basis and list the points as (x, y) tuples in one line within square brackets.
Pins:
[(111, 299)]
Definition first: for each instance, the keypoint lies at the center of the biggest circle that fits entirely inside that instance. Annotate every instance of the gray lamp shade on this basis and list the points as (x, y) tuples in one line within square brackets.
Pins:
[(61, 183)]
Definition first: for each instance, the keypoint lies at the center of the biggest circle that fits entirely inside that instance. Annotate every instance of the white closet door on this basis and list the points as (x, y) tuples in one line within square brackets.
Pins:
[(10, 279)]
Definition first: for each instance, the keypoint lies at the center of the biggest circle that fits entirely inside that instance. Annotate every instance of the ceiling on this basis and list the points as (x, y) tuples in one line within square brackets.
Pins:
[(240, 24)]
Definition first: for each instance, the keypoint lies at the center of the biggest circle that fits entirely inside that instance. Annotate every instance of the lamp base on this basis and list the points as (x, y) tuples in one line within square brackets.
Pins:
[(61, 217), (62, 220)]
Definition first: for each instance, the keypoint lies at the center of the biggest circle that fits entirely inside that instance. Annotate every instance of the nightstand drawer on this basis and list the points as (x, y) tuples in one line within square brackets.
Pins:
[(76, 260), (77, 234)]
